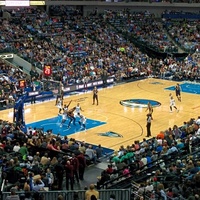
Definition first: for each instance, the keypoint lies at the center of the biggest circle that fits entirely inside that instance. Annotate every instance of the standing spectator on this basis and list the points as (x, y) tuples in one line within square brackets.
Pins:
[(44, 160), (13, 195), (59, 171), (69, 175), (99, 151), (82, 165), (38, 185), (91, 192), (23, 151), (75, 163), (50, 178)]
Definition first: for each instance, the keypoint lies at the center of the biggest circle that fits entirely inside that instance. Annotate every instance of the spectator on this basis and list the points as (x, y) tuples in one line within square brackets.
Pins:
[(69, 171), (91, 192), (82, 165), (16, 147), (59, 171), (99, 151), (112, 197), (38, 185), (103, 178), (44, 160), (91, 154), (23, 151), (60, 197), (50, 178), (93, 197), (13, 195)]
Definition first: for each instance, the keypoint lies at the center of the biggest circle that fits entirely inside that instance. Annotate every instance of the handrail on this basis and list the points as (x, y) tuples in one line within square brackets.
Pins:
[(2, 185)]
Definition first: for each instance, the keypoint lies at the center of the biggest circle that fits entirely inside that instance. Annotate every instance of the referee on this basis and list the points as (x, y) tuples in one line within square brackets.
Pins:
[(149, 118)]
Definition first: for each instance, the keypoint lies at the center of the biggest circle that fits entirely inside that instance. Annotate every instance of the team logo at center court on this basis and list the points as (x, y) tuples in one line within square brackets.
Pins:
[(139, 103), (156, 83), (110, 134)]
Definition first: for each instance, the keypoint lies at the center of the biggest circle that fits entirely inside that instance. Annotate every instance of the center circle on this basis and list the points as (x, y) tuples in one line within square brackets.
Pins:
[(139, 103)]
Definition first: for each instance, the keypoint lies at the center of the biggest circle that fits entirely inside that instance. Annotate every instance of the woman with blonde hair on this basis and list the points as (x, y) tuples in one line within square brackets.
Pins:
[(54, 161)]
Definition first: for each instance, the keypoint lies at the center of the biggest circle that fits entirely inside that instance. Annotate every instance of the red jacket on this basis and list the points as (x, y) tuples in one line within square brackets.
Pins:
[(74, 161), (69, 170)]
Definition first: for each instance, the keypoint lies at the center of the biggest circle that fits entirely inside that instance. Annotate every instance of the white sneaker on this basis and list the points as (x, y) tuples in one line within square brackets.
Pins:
[(170, 111)]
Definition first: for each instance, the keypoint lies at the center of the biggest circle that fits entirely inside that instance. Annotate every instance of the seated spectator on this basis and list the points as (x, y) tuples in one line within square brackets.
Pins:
[(27, 187), (126, 171), (172, 149), (114, 175), (115, 158), (16, 147), (149, 187), (13, 195), (91, 154), (109, 170), (103, 178), (161, 192)]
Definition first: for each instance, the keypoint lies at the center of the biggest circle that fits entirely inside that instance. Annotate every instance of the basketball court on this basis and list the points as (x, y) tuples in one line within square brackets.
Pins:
[(120, 117)]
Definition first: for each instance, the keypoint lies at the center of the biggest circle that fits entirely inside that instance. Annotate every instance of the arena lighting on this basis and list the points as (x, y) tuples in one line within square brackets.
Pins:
[(17, 3)]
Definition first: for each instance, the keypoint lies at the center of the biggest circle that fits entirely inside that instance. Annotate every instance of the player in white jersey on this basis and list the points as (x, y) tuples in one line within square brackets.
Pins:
[(172, 103), (82, 121), (59, 105), (78, 109), (64, 118)]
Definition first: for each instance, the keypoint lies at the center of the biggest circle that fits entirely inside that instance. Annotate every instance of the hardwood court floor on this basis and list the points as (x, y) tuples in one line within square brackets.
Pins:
[(126, 121)]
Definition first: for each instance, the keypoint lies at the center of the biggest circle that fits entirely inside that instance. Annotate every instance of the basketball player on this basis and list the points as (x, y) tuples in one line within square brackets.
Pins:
[(178, 92), (59, 105), (95, 95), (82, 121), (78, 109), (60, 94), (70, 114), (64, 118), (150, 109), (65, 114), (172, 103), (66, 107)]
